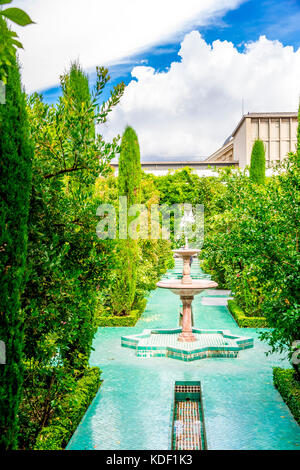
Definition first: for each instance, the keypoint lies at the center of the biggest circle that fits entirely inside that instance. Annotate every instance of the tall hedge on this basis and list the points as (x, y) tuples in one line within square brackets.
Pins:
[(15, 181), (129, 185), (258, 162)]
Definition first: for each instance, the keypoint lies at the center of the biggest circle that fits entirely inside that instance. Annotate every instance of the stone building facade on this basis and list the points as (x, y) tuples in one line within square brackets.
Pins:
[(278, 131)]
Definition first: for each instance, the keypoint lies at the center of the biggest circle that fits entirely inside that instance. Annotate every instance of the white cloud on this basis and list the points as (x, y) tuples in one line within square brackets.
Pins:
[(99, 32), (189, 110)]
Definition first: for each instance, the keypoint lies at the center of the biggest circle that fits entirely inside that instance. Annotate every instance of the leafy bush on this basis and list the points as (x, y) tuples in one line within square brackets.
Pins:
[(69, 413), (251, 246), (289, 388), (67, 264), (154, 257), (242, 320), (185, 186), (115, 320), (103, 316), (9, 39)]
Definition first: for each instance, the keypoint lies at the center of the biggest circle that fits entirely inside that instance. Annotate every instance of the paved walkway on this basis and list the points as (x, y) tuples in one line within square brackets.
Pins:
[(132, 409)]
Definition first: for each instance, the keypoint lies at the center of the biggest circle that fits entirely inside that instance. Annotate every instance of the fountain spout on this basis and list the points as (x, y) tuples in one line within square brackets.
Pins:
[(186, 274), (186, 243)]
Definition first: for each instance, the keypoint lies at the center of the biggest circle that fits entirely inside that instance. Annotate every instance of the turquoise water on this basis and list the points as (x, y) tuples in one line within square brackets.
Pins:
[(132, 409)]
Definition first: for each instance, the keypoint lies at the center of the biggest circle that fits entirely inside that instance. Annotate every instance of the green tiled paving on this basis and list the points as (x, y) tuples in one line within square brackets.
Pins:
[(133, 408)]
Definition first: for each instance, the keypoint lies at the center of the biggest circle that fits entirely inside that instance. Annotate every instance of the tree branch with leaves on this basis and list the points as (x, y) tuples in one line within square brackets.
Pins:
[(9, 41)]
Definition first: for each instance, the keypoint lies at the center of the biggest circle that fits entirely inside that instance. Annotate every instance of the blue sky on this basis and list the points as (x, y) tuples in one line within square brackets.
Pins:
[(277, 20)]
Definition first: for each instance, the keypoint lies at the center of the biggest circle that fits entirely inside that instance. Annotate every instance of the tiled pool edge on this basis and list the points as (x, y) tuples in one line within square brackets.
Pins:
[(238, 343), (91, 434)]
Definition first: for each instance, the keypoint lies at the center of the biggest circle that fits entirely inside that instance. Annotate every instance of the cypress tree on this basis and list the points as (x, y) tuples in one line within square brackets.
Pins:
[(130, 167), (75, 84), (129, 183), (258, 162), (15, 181)]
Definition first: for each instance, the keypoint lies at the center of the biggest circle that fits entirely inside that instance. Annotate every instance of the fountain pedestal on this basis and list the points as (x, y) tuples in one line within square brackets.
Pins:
[(187, 331), (187, 288), (187, 292)]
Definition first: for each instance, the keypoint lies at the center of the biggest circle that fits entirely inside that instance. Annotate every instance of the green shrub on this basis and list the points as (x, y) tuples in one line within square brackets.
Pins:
[(252, 243), (242, 320), (104, 318), (155, 257), (185, 186), (289, 388), (218, 275), (140, 305), (116, 320), (51, 438), (129, 180), (69, 413), (9, 39), (67, 265), (258, 163), (76, 85), (15, 182)]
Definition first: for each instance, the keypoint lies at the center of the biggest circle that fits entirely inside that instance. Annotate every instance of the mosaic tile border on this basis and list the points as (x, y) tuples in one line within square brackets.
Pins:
[(188, 426), (223, 344)]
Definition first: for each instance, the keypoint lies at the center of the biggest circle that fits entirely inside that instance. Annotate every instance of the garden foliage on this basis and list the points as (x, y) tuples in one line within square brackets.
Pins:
[(9, 41), (140, 262), (243, 320), (71, 281), (252, 248), (68, 415), (67, 264), (185, 187), (288, 385), (15, 183)]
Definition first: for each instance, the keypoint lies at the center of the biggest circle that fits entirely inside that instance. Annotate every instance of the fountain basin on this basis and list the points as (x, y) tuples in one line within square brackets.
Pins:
[(186, 252), (208, 344), (187, 290)]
